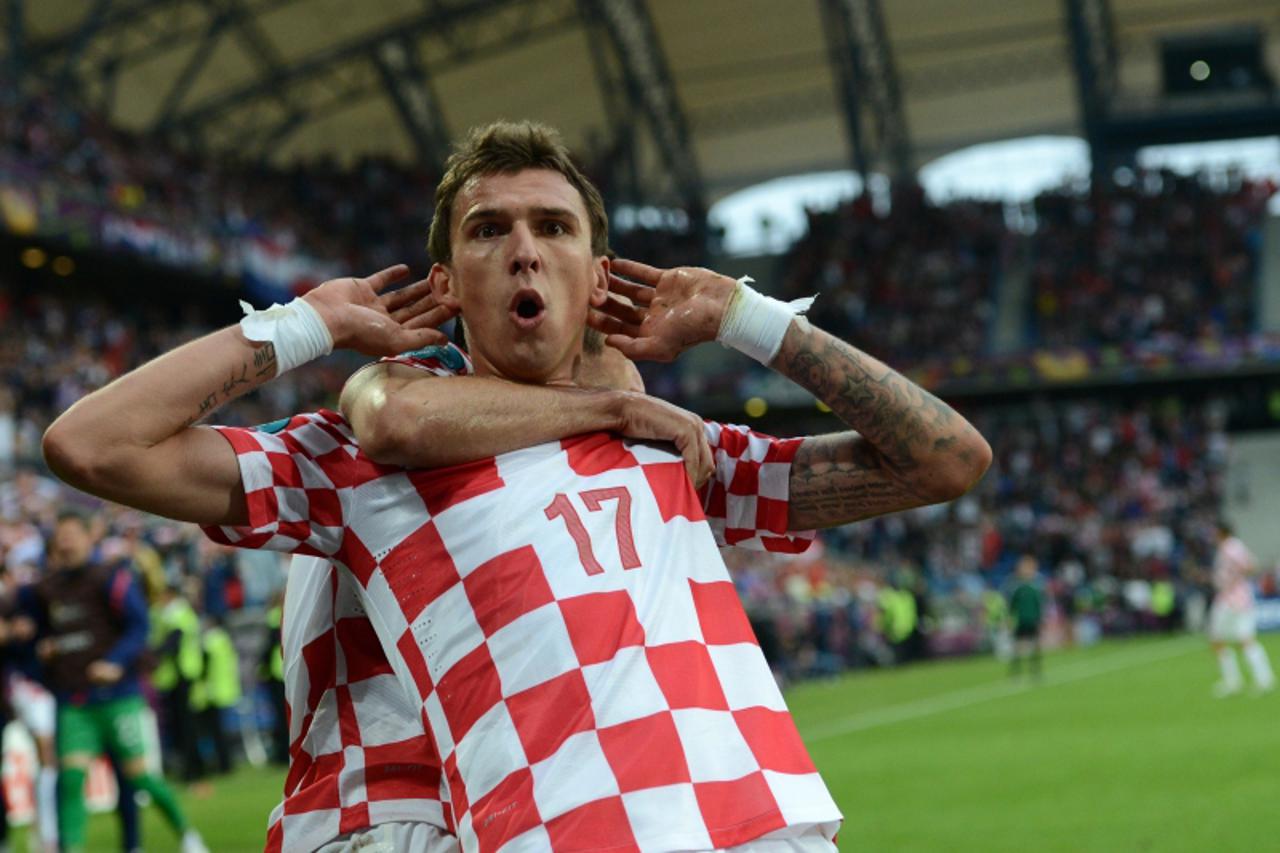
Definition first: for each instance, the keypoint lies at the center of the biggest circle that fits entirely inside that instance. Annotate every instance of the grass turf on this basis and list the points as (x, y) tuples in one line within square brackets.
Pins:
[(1120, 748)]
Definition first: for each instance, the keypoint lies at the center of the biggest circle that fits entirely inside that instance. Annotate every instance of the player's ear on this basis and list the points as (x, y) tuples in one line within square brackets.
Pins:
[(600, 281), (443, 286)]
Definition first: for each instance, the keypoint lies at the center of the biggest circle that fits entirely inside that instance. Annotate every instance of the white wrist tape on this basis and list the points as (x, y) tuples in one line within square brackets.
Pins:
[(295, 330), (755, 324)]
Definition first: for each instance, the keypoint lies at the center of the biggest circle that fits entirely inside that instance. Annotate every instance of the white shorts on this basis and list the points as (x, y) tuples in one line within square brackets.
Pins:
[(395, 838), (34, 706), (1230, 624)]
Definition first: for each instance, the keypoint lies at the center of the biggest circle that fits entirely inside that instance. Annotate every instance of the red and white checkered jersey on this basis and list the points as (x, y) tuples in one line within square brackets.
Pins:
[(1232, 565), (563, 614), (359, 753)]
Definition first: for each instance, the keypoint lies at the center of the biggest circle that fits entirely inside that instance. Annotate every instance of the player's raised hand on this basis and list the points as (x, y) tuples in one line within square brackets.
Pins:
[(362, 316), (661, 313), (652, 419)]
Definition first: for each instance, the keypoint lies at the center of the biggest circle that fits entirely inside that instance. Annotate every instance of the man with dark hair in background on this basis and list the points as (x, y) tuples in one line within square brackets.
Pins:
[(90, 625)]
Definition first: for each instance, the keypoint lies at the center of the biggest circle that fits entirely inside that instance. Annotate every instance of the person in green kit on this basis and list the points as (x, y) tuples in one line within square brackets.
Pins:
[(90, 625), (217, 691), (175, 641), (1026, 608)]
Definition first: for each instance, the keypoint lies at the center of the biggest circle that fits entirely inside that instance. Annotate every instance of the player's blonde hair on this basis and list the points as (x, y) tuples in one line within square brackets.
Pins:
[(506, 147)]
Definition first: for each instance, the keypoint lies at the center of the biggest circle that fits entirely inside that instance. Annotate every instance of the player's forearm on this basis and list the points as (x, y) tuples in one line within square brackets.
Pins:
[(107, 430), (910, 448), (439, 421)]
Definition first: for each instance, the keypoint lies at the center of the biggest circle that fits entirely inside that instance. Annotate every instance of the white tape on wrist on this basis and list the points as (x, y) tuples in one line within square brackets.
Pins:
[(755, 324), (295, 330)]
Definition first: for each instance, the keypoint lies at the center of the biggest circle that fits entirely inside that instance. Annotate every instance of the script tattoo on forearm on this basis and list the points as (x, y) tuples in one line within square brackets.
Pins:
[(264, 359), (238, 382), (233, 380)]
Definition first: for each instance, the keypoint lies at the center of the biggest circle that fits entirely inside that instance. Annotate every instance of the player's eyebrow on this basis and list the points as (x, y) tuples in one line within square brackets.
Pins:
[(485, 213), (481, 213), (557, 213)]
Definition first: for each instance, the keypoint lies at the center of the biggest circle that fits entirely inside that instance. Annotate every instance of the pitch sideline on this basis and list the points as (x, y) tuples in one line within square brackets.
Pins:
[(969, 696)]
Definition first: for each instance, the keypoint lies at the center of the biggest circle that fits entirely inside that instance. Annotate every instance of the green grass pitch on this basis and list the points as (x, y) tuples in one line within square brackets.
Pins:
[(1121, 748)]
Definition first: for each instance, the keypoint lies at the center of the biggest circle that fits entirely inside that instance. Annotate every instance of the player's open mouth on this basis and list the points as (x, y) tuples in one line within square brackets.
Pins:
[(527, 308)]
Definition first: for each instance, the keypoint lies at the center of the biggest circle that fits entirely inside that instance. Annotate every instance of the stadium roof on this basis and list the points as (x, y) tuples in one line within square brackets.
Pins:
[(742, 90)]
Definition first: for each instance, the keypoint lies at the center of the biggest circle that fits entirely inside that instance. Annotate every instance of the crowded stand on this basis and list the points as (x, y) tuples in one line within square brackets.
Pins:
[(914, 284), (1159, 261), (66, 174)]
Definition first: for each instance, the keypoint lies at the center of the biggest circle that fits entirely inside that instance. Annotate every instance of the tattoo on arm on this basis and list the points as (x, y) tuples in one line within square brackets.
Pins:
[(839, 478), (233, 381), (264, 359), (900, 419), (238, 382), (904, 434)]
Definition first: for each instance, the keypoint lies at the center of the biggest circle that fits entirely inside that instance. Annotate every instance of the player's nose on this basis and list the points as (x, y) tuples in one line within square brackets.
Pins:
[(523, 249)]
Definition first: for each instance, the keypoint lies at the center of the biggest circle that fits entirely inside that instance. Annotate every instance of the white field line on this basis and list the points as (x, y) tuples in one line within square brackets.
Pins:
[(968, 696)]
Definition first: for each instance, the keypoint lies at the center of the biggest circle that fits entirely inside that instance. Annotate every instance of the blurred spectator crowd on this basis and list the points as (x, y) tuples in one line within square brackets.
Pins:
[(912, 283), (67, 175), (1163, 259), (1158, 270)]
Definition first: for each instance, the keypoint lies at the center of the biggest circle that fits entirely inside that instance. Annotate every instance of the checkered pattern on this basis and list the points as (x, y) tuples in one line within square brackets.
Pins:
[(746, 501), (359, 754), (563, 614)]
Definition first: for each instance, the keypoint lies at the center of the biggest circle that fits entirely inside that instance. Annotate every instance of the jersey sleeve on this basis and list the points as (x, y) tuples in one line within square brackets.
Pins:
[(297, 476), (748, 498), (445, 360)]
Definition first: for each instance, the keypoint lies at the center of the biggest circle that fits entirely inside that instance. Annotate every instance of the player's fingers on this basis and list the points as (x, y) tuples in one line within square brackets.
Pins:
[(416, 339), (639, 349), (696, 452), (408, 295), (408, 312), (624, 310), (431, 318), (706, 460), (383, 279), (608, 325), (641, 294), (637, 271)]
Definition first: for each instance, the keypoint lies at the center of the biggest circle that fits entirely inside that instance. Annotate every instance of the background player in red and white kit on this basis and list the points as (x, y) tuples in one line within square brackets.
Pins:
[(1232, 618), (568, 646)]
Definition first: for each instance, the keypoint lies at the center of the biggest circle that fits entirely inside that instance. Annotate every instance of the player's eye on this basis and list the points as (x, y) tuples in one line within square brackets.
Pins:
[(555, 228), (486, 230)]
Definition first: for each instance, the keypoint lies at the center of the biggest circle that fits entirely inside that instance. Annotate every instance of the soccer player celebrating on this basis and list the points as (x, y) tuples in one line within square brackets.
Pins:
[(1232, 618), (560, 613)]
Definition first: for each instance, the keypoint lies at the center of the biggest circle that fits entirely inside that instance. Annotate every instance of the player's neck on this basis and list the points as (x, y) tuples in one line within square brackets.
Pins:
[(562, 375)]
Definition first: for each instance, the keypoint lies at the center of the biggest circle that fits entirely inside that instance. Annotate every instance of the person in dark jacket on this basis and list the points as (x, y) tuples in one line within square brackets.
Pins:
[(90, 624)]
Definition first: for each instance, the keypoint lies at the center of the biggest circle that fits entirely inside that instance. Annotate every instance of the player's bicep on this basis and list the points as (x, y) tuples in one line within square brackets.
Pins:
[(367, 403), (840, 478), (191, 476)]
